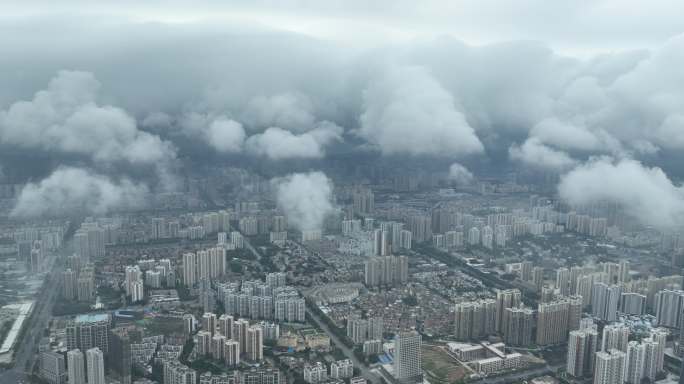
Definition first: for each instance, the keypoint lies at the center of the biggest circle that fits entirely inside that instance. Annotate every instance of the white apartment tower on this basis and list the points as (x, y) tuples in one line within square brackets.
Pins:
[(76, 367), (95, 363), (610, 367), (407, 356), (615, 336)]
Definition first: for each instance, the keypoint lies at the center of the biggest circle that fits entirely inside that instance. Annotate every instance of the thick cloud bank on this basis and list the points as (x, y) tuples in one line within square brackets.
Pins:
[(292, 111), (610, 106), (646, 193), (268, 93), (408, 112), (305, 198), (73, 191), (65, 118)]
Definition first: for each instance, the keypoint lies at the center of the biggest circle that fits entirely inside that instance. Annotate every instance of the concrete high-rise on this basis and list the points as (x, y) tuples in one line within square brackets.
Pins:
[(582, 345), (386, 270), (668, 308), (70, 284), (615, 336), (119, 358), (577, 342), (255, 343), (177, 373), (519, 325), (632, 303), (90, 242), (605, 300), (240, 333), (474, 320), (209, 322), (645, 358), (552, 322), (76, 367), (132, 275), (363, 201), (52, 367), (635, 363), (610, 367), (563, 281), (509, 298), (407, 357), (538, 278), (189, 269), (659, 335), (231, 352), (95, 364), (225, 325), (88, 331)]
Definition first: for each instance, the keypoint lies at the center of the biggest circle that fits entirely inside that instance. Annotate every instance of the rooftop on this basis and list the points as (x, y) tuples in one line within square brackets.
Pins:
[(92, 318)]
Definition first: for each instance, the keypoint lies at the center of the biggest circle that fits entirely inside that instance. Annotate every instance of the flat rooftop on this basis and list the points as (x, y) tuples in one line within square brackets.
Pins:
[(92, 318)]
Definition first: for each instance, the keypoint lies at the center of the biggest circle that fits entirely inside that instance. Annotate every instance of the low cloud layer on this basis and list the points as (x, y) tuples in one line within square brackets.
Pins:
[(408, 112), (268, 93), (292, 111), (278, 144), (434, 96), (70, 191), (225, 135), (65, 118), (305, 198), (644, 192), (460, 174), (219, 132), (533, 153)]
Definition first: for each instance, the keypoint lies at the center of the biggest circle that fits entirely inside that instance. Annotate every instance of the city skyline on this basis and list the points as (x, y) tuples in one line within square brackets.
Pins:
[(341, 192)]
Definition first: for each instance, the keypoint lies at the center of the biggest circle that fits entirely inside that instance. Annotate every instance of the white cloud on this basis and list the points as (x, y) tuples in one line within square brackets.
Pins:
[(219, 132), (65, 118), (291, 111), (644, 192), (408, 112), (226, 135), (534, 153), (277, 143), (432, 96), (564, 135), (305, 198), (670, 134), (460, 174), (70, 191)]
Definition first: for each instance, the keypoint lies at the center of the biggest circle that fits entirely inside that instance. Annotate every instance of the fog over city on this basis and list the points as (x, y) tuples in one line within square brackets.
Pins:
[(463, 142)]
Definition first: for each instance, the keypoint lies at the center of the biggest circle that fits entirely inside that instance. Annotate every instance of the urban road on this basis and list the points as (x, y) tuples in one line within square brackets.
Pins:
[(27, 347), (521, 375)]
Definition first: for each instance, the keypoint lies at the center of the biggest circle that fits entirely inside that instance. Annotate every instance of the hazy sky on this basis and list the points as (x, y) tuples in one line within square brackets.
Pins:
[(572, 26)]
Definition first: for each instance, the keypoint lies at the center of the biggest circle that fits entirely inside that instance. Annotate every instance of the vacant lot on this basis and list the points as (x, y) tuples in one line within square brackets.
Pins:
[(440, 367)]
